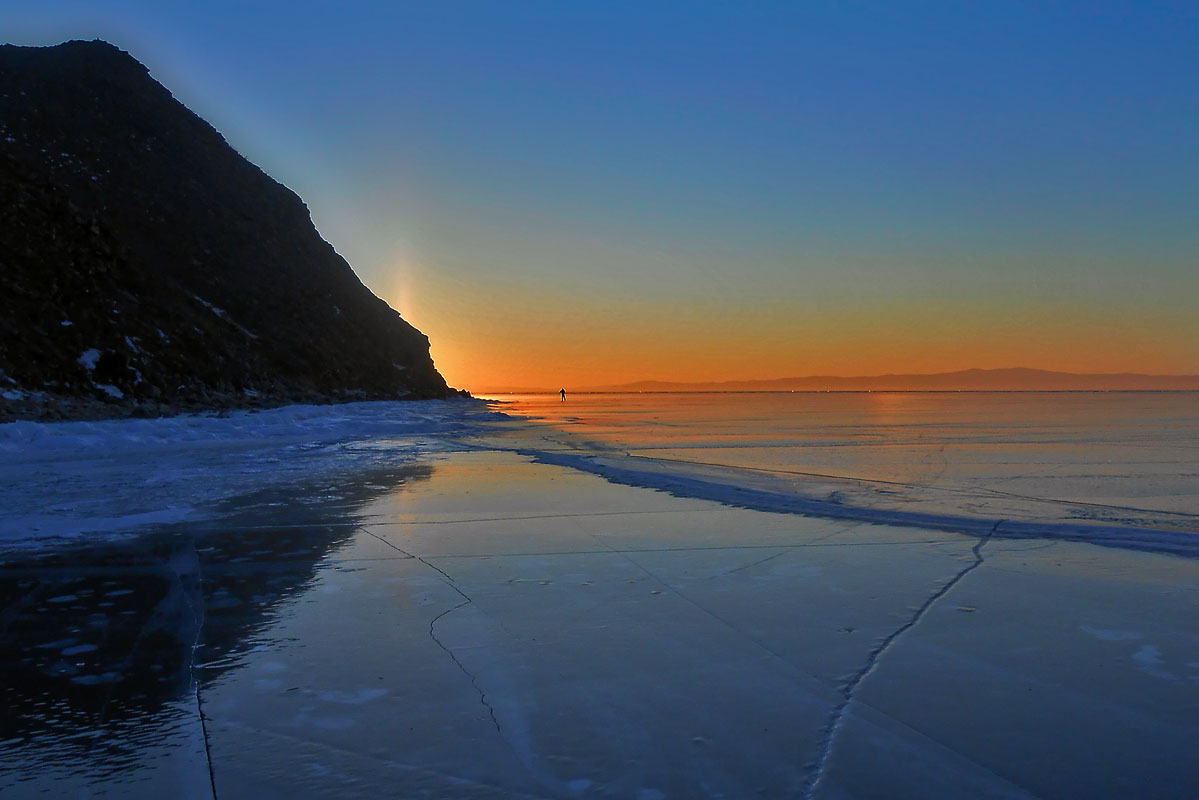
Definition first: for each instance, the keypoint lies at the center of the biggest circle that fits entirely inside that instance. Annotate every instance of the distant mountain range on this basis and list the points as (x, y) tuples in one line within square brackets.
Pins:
[(147, 267), (969, 380)]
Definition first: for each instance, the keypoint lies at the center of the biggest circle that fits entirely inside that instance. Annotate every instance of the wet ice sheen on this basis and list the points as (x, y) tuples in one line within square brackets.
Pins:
[(1113, 468), (472, 623)]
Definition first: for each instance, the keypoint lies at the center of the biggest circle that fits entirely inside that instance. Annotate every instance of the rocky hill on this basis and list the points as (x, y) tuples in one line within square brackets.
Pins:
[(146, 267)]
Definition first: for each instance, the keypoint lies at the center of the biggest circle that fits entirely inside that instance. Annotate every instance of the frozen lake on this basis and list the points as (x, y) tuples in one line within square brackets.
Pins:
[(1114, 467), (431, 601)]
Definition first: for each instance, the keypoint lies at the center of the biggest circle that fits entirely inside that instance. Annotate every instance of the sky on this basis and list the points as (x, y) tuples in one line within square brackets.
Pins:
[(587, 193)]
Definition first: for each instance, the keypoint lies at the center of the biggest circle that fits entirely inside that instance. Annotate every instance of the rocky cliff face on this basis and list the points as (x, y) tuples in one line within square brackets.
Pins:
[(145, 266)]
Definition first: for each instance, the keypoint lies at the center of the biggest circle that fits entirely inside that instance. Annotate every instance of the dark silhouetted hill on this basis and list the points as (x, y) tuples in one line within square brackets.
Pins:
[(145, 266)]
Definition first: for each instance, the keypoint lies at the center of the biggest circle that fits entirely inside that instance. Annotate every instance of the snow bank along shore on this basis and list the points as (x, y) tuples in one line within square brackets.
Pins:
[(62, 480)]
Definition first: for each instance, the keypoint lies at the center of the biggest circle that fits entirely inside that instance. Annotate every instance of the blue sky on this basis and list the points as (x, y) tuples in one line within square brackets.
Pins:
[(680, 169)]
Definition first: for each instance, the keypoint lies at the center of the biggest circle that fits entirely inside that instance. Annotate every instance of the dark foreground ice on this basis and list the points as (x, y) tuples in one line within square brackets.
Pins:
[(476, 624)]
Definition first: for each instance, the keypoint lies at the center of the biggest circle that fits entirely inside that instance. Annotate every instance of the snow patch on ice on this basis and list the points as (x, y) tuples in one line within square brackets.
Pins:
[(1149, 661), (1110, 635)]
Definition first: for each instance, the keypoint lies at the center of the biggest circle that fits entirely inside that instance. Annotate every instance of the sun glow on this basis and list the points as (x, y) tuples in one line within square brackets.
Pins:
[(399, 288), (493, 337)]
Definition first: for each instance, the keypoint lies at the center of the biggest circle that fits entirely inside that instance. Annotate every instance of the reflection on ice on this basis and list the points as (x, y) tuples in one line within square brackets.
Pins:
[(101, 643)]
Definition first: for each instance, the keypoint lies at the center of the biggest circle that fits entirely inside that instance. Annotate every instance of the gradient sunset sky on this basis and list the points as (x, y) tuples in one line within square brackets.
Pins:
[(589, 193)]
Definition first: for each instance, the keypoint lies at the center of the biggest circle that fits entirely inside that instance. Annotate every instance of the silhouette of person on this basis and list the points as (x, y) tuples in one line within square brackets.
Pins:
[(563, 393)]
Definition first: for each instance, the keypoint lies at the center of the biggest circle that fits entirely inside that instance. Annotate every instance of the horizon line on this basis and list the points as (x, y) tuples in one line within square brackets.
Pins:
[(764, 384), (833, 391)]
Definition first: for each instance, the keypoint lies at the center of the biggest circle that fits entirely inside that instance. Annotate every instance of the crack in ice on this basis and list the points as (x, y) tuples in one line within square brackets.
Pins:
[(752, 564), (872, 660), (203, 725), (473, 680), (198, 617), (682, 596), (466, 600)]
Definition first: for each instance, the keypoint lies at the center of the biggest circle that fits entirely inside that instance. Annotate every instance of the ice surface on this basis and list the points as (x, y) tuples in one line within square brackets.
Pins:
[(375, 602), (1116, 469), (479, 625), (765, 494)]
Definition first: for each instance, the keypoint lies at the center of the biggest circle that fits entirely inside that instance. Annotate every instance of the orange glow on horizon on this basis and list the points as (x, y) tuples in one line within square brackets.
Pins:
[(502, 338)]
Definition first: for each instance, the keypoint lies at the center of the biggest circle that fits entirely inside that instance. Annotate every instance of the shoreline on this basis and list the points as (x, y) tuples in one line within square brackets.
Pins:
[(68, 481), (47, 407)]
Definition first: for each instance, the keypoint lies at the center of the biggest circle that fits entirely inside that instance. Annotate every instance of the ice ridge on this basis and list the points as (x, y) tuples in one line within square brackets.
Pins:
[(663, 478)]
